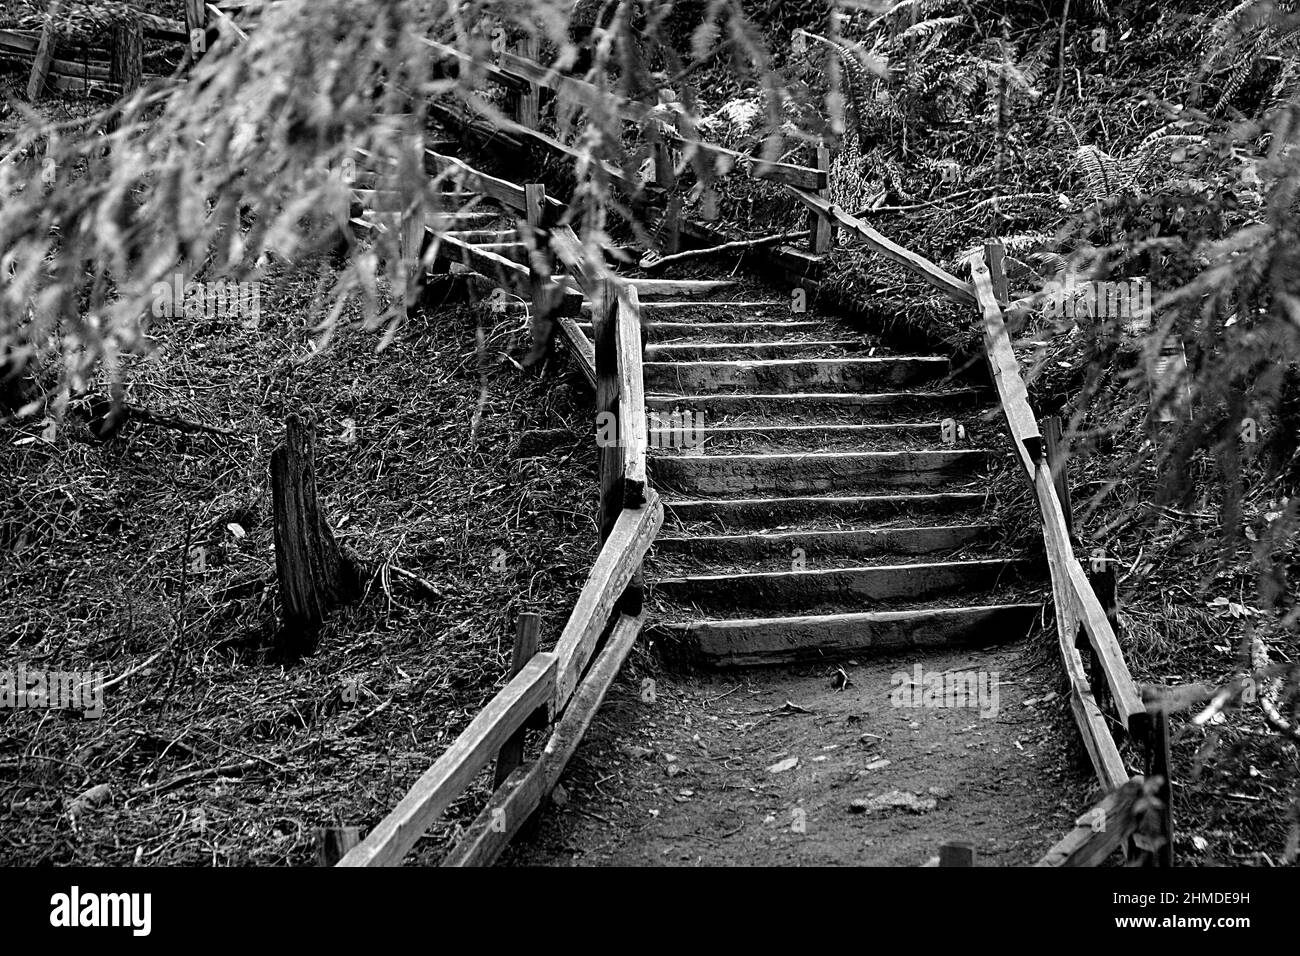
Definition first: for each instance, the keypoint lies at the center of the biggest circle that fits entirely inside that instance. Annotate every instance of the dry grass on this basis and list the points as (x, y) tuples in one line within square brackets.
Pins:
[(215, 753)]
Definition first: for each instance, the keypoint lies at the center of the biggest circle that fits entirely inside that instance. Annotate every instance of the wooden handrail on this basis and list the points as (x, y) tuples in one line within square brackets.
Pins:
[(447, 779), (945, 282), (516, 799), (1075, 602), (517, 72), (631, 398), (502, 190), (1101, 831), (547, 681)]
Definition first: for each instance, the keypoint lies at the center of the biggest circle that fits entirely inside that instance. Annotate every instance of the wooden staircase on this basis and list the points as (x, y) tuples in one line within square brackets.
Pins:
[(813, 509)]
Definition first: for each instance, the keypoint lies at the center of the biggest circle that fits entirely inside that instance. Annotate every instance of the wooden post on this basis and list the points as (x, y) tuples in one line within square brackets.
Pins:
[(527, 629), (604, 327), (333, 843), (957, 853), (196, 25), (535, 205), (1158, 759), (530, 100), (995, 253), (126, 53), (1058, 459), (44, 54), (821, 228), (546, 296), (666, 179), (669, 238), (411, 239), (314, 573)]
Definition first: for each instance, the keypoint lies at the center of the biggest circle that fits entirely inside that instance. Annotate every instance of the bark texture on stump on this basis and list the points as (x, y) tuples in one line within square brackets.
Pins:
[(314, 574)]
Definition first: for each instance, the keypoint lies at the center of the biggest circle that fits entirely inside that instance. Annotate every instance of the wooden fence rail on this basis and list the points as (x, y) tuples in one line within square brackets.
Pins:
[(1081, 621), (474, 749), (663, 125), (567, 684)]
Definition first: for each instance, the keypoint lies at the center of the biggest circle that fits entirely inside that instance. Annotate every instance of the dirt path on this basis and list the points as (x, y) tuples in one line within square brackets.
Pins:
[(687, 779)]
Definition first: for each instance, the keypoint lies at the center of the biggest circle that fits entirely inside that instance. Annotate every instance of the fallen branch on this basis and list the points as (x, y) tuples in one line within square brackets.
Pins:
[(652, 262), (1270, 692), (107, 419)]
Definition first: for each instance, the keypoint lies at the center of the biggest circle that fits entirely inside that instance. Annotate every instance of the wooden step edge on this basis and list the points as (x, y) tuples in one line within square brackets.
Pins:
[(774, 641)]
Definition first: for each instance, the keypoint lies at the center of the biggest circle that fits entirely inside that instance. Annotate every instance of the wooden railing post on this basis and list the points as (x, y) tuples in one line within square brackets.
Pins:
[(1157, 765), (604, 327), (1058, 459), (44, 54), (126, 53), (665, 173), (196, 26), (333, 843), (957, 853), (527, 630), (995, 252), (821, 228), (632, 426), (529, 103), (539, 255)]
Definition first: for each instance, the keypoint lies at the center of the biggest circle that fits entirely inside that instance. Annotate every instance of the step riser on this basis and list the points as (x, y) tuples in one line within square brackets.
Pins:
[(811, 474), (786, 439), (741, 352), (815, 544), (809, 589), (721, 331), (783, 511), (781, 641), (802, 406), (809, 376)]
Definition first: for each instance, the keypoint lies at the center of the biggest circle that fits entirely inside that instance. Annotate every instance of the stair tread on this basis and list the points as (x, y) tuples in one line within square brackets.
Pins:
[(811, 573), (760, 641)]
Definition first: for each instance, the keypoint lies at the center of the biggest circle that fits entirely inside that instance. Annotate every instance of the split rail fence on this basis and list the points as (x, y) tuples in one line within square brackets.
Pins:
[(563, 688)]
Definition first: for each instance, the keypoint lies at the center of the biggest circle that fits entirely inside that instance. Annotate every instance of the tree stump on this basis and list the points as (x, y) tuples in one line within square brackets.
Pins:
[(314, 573)]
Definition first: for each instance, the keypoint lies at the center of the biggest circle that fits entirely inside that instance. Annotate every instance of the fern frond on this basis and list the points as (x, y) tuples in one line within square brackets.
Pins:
[(928, 28), (1105, 175)]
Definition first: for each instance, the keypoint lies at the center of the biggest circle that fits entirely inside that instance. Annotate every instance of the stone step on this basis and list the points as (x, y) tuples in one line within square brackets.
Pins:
[(794, 640), (750, 351), (817, 407), (776, 512), (739, 310), (832, 375), (687, 434), (814, 589), (710, 331), (818, 472), (812, 545)]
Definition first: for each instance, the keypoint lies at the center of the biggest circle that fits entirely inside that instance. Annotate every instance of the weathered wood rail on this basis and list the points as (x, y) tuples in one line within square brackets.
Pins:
[(666, 129), (568, 683), (113, 66), (1086, 634)]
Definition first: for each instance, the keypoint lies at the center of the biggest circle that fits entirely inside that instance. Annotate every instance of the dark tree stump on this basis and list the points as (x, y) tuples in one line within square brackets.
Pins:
[(315, 575)]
